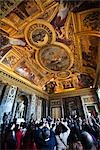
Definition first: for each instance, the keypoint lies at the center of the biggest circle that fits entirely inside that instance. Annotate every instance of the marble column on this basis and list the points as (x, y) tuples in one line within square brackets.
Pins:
[(7, 102)]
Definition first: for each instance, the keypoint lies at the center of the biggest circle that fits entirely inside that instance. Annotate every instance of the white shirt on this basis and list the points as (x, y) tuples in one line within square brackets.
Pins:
[(64, 137)]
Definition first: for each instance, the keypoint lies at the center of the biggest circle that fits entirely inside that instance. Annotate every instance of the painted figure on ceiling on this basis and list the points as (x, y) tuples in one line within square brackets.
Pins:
[(10, 60), (61, 15), (3, 39), (40, 37), (85, 80), (80, 5), (89, 46), (50, 87), (6, 41), (59, 22), (75, 80), (27, 73)]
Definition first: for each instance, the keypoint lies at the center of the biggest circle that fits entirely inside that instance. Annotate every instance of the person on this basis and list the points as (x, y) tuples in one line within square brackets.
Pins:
[(18, 137), (28, 139), (5, 116), (44, 137), (62, 132), (11, 137), (87, 140), (3, 131)]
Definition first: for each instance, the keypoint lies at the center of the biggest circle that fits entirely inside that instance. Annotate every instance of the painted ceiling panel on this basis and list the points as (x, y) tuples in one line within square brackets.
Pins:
[(7, 6)]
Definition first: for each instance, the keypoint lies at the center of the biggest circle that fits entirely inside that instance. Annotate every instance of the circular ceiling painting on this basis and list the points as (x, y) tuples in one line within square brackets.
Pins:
[(56, 57), (39, 33)]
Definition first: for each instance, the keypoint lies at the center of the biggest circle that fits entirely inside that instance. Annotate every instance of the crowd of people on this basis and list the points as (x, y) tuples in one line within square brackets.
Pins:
[(72, 133)]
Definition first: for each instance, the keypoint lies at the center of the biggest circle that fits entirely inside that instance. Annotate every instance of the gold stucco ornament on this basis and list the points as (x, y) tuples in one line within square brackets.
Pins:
[(39, 33)]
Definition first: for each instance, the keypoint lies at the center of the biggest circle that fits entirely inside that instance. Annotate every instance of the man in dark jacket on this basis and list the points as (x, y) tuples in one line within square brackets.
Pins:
[(45, 139)]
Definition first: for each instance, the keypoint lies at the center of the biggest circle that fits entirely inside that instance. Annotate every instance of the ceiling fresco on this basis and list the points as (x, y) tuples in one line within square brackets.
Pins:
[(55, 57), (52, 44)]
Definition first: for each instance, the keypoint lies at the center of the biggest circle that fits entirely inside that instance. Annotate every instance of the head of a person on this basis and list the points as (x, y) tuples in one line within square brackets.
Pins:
[(86, 140), (45, 133)]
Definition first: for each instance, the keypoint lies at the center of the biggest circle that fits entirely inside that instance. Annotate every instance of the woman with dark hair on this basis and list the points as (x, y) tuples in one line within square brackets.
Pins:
[(18, 137), (62, 132)]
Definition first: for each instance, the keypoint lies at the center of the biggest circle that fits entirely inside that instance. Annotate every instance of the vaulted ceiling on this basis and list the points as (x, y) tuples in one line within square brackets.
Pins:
[(53, 44)]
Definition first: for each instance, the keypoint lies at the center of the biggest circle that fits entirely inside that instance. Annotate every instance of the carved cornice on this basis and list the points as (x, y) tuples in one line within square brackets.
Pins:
[(72, 93), (16, 80)]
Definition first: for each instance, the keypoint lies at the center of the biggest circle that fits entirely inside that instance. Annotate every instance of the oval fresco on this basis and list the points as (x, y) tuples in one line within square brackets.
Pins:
[(39, 33), (63, 75), (56, 57)]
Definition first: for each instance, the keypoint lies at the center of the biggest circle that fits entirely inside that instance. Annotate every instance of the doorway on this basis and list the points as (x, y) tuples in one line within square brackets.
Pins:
[(56, 112)]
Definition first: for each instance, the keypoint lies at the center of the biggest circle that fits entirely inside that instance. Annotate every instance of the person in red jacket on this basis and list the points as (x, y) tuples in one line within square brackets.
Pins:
[(18, 137)]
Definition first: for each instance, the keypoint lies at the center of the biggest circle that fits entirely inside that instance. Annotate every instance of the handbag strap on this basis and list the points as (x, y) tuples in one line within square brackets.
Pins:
[(62, 141)]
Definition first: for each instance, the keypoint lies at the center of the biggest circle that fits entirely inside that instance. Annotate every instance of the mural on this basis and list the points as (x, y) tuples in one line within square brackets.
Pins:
[(85, 80), (77, 6), (4, 43), (89, 21), (11, 59), (54, 58), (3, 39), (78, 81), (92, 21), (7, 42), (50, 87), (60, 18), (4, 51), (89, 46), (23, 11), (58, 23), (25, 72)]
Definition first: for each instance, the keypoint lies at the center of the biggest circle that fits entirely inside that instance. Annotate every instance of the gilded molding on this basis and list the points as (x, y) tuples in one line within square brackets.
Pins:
[(39, 33), (72, 93)]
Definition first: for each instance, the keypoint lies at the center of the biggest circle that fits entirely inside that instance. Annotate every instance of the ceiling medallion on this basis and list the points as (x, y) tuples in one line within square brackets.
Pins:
[(55, 57), (39, 33)]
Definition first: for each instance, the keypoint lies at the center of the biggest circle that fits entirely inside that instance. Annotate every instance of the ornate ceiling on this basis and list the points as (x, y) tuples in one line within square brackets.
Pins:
[(51, 43)]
